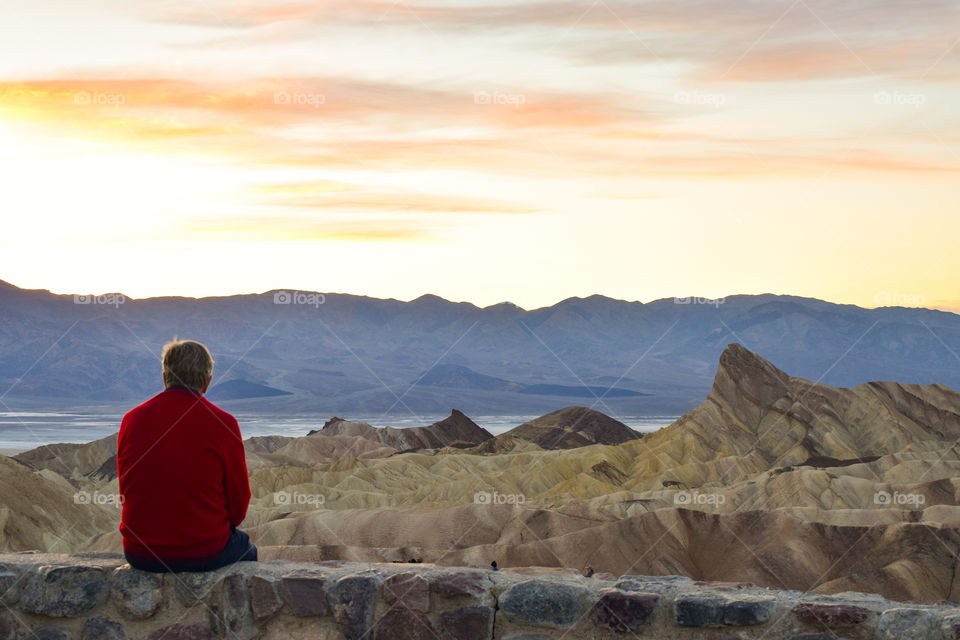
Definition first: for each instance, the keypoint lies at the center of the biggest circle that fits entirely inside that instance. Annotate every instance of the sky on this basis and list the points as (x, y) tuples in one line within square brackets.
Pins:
[(483, 151)]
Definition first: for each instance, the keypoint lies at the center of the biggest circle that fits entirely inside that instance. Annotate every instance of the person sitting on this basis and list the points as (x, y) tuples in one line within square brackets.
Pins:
[(182, 473)]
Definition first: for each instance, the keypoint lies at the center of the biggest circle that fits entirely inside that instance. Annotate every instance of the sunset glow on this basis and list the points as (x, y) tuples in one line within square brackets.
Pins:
[(483, 151)]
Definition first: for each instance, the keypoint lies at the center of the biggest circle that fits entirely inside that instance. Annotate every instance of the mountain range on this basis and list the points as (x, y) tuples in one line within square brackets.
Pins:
[(294, 352)]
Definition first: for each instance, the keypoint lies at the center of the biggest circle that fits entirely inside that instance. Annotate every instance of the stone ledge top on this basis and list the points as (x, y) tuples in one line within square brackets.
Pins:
[(673, 586), (243, 600)]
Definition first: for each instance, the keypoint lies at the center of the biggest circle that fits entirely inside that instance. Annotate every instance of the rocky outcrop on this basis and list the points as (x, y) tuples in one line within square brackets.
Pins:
[(42, 509), (74, 460), (502, 443), (317, 449), (102, 598), (757, 418), (573, 427), (456, 430)]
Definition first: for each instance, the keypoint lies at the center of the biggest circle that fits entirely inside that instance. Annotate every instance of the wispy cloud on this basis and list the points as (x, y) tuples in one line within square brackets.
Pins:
[(347, 197), (331, 122), (274, 228), (752, 40)]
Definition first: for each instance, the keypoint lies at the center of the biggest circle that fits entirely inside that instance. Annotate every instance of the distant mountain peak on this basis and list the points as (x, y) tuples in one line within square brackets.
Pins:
[(459, 376), (237, 389), (596, 298), (504, 306), (430, 297)]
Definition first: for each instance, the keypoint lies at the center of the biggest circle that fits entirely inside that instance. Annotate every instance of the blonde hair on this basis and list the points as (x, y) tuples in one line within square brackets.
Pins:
[(187, 363)]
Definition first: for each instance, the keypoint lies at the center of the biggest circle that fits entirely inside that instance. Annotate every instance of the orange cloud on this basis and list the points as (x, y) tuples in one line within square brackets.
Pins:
[(823, 57), (157, 105), (389, 127), (287, 227), (329, 196), (350, 123)]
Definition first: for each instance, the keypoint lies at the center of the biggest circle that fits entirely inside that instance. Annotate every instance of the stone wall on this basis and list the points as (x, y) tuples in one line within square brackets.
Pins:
[(93, 597)]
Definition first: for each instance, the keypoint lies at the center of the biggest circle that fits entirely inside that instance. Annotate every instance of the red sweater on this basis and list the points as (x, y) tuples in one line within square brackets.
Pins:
[(183, 476)]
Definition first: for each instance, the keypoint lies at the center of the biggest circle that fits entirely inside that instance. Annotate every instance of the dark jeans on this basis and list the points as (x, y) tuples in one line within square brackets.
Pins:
[(237, 549)]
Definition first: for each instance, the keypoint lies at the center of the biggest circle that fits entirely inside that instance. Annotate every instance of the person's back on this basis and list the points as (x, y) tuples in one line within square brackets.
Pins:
[(182, 473)]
